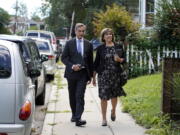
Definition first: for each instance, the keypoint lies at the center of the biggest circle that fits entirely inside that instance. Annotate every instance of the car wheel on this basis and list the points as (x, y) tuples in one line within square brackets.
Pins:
[(40, 100), (51, 77), (57, 59)]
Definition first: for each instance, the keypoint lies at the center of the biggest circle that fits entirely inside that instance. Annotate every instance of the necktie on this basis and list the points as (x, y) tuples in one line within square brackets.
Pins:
[(79, 47)]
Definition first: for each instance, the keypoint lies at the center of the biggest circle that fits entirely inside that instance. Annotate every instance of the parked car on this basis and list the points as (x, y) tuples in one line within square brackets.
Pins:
[(59, 50), (17, 104), (95, 43), (44, 34), (62, 42), (46, 49), (31, 56)]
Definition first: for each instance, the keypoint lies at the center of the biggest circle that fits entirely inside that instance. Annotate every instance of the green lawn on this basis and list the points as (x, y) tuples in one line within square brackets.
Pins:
[(143, 102)]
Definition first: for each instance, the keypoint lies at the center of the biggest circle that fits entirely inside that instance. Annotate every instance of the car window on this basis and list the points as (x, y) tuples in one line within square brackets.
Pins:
[(32, 34), (34, 51), (25, 55), (5, 62), (42, 46), (43, 35), (24, 51)]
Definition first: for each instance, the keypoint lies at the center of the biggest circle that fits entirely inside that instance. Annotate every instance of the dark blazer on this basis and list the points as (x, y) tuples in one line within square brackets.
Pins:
[(70, 56), (99, 63)]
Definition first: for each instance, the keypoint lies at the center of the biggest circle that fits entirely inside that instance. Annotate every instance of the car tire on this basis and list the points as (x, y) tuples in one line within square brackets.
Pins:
[(40, 100), (51, 77)]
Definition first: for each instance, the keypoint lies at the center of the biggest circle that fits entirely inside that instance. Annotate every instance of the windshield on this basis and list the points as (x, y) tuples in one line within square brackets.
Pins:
[(42, 46), (5, 62), (43, 35), (32, 34)]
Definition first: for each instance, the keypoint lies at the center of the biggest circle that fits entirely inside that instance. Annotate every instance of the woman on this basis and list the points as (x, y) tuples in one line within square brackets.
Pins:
[(109, 56)]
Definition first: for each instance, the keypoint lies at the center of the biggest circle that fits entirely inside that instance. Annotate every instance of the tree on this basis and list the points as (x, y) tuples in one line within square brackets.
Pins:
[(4, 21), (20, 11), (35, 17), (167, 23), (117, 18), (60, 12)]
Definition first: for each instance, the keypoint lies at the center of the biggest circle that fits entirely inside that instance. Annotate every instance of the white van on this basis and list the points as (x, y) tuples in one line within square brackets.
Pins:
[(43, 34)]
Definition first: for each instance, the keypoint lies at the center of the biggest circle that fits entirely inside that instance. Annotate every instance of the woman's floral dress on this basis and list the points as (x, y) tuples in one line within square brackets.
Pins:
[(109, 80)]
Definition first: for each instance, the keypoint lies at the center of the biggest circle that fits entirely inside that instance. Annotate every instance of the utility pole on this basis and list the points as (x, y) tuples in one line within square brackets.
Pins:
[(16, 19), (72, 21)]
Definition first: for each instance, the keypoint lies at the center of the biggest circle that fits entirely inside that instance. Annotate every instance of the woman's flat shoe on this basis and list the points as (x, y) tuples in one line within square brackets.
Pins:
[(113, 117), (104, 123)]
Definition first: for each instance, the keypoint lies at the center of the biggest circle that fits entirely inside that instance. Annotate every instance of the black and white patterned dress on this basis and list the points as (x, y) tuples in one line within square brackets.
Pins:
[(109, 81)]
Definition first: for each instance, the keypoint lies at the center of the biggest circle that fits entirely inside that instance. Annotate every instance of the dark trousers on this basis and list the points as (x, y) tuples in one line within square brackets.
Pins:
[(76, 88)]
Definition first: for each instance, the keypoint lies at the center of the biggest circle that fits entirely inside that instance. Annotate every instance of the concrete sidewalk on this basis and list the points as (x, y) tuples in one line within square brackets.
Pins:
[(57, 120)]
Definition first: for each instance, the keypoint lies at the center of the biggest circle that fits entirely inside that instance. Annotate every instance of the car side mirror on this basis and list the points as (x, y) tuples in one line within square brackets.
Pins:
[(34, 73), (44, 58), (56, 52), (31, 71)]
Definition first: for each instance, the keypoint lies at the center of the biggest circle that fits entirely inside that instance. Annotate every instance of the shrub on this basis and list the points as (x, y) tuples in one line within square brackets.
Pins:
[(117, 18), (167, 23)]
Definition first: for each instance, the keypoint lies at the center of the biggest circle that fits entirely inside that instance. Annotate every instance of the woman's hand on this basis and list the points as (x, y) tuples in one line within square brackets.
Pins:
[(89, 82), (118, 59), (94, 81)]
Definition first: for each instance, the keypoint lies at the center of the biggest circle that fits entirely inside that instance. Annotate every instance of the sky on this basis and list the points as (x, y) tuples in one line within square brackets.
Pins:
[(32, 5)]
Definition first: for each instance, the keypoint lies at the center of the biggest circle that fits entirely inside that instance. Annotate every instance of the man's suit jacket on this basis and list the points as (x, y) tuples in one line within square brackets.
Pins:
[(70, 56)]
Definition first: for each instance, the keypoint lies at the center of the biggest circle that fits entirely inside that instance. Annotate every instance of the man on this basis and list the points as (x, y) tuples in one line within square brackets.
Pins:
[(78, 58)]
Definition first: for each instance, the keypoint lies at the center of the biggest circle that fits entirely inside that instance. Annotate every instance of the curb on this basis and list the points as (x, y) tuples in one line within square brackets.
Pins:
[(49, 118)]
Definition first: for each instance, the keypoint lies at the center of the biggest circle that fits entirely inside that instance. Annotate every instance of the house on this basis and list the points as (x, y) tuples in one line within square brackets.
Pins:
[(21, 24), (17, 24), (142, 10)]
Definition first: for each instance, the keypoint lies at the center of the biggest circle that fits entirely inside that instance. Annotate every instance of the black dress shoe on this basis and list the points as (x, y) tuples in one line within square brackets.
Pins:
[(80, 122), (73, 120)]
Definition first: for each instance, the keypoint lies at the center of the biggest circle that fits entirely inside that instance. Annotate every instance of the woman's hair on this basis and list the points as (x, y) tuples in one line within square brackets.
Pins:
[(105, 31)]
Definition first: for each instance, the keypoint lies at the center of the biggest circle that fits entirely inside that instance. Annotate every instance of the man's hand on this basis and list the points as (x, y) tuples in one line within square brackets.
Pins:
[(76, 67)]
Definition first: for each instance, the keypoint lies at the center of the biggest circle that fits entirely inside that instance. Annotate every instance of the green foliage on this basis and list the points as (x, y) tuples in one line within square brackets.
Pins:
[(168, 22), (138, 71), (35, 17), (144, 104), (33, 28), (117, 18), (143, 39), (4, 21), (61, 13), (176, 85), (20, 9)]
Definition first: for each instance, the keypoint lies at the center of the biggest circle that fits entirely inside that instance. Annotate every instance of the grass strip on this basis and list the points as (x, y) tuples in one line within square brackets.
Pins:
[(143, 102)]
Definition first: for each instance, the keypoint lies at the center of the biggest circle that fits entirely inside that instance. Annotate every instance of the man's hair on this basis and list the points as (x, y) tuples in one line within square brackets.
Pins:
[(78, 25)]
